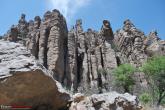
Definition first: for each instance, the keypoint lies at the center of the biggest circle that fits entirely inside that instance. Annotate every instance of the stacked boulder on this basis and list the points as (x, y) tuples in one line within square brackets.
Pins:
[(130, 46), (154, 45), (129, 42)]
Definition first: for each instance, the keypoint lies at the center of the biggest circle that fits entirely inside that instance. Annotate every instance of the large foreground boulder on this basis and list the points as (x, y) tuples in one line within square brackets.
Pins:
[(34, 89), (24, 82)]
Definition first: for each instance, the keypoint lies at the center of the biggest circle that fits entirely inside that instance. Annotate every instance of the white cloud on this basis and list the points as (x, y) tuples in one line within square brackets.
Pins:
[(68, 7)]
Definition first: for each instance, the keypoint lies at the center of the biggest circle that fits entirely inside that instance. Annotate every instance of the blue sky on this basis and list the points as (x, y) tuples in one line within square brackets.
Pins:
[(147, 15)]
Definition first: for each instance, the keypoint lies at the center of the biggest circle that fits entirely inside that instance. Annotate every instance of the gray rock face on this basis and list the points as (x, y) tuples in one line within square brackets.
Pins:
[(21, 73), (90, 57), (22, 27), (129, 42), (13, 34), (106, 101), (48, 43), (34, 86), (133, 47), (130, 45), (153, 44), (14, 58), (83, 60), (47, 40), (106, 31), (18, 32), (53, 45), (32, 42)]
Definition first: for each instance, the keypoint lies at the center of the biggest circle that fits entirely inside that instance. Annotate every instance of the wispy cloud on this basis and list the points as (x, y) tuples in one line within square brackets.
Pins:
[(68, 7)]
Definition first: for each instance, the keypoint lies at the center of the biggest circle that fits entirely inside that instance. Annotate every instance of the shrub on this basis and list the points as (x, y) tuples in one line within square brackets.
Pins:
[(154, 69), (123, 76), (145, 98)]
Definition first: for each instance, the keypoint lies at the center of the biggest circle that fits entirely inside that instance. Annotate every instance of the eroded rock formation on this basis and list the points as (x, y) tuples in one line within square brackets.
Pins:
[(47, 40), (79, 60), (134, 47), (48, 43), (18, 32), (53, 45), (33, 36), (90, 57), (154, 45), (84, 60), (25, 82), (130, 46), (129, 42), (22, 27)]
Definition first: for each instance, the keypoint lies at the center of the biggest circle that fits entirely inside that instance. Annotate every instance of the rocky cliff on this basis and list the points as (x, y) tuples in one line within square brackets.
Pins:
[(83, 61), (90, 56), (134, 47), (24, 82), (36, 53)]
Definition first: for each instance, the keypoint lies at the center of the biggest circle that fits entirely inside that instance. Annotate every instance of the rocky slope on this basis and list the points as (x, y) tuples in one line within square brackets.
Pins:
[(76, 58), (106, 101), (83, 61), (25, 82)]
